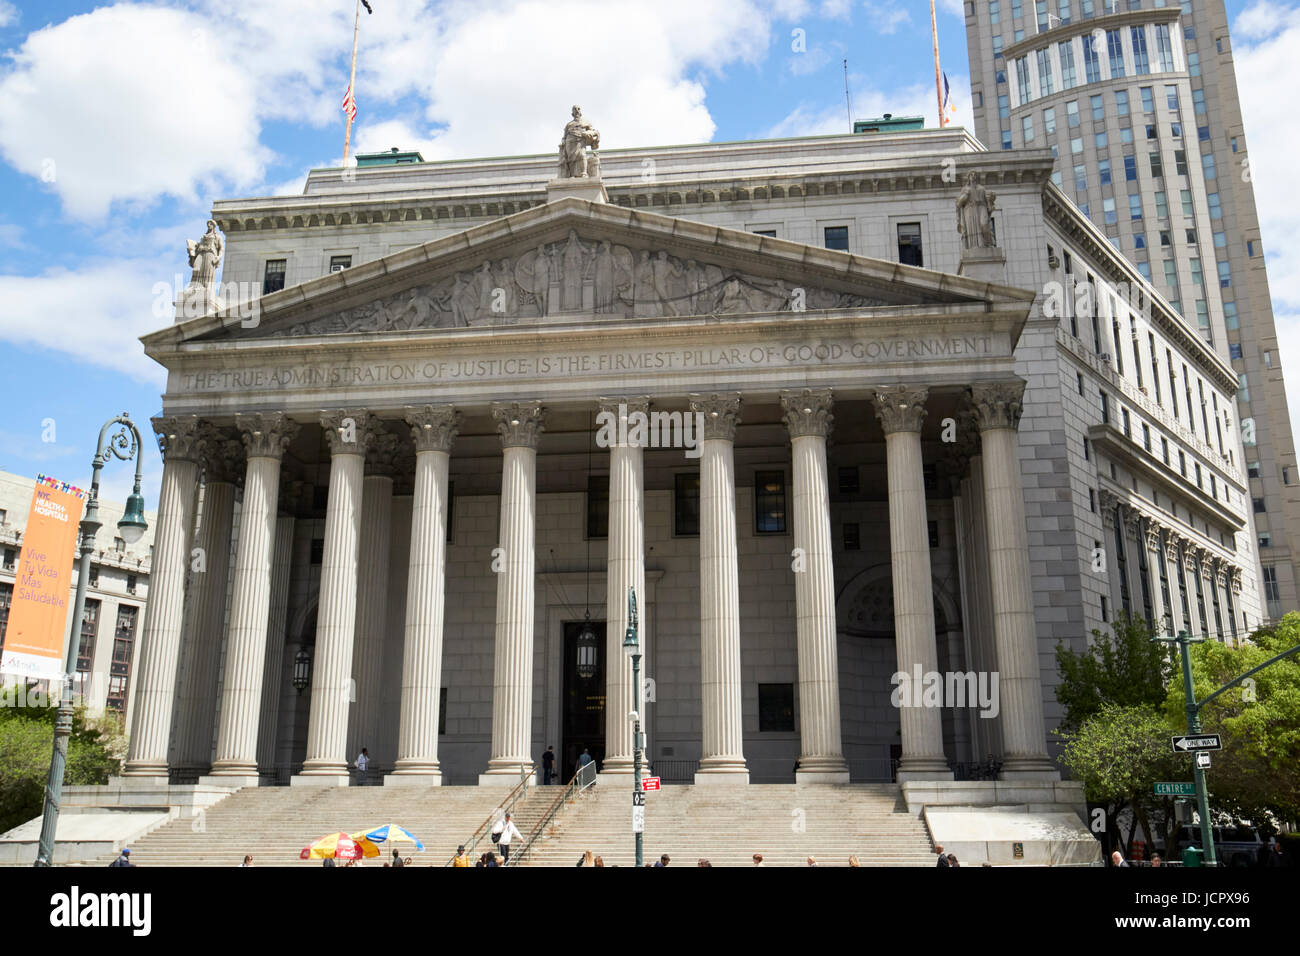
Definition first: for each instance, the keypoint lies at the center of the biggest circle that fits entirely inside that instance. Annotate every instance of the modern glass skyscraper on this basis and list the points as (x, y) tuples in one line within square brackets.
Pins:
[(1138, 101)]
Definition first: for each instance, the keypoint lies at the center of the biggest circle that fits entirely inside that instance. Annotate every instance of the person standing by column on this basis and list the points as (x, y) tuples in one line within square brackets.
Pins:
[(363, 764), (548, 765)]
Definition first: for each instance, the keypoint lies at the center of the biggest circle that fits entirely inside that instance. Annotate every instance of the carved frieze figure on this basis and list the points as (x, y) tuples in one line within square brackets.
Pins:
[(533, 273), (573, 263), (643, 297), (664, 271), (503, 279), (205, 257), (975, 215), (574, 159)]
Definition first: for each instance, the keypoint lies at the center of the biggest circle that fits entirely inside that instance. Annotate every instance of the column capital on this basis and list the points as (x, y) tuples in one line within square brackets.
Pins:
[(266, 434), (721, 411), (900, 408), (1153, 529), (221, 456), (1133, 522), (1235, 573), (807, 412), (179, 437), (433, 427), (997, 404), (634, 403), (380, 454), (1171, 544), (1220, 572), (1204, 558), (1189, 555), (349, 432), (520, 424), (1106, 502)]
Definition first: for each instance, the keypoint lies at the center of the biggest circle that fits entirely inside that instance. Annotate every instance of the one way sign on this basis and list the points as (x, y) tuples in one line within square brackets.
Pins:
[(1184, 745)]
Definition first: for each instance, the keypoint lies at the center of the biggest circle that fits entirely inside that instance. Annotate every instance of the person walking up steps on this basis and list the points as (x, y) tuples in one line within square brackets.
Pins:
[(509, 832)]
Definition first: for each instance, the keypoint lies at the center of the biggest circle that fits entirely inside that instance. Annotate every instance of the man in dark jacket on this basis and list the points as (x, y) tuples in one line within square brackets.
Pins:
[(123, 859)]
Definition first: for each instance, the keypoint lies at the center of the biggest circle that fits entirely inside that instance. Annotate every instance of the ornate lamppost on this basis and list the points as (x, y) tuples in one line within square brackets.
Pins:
[(632, 645)]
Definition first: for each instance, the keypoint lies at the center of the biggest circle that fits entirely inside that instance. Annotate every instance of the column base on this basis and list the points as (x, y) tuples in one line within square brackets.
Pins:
[(923, 768), (320, 780), (1028, 768), (141, 781), (710, 778), (821, 776), (414, 778), (822, 769), (231, 780), (150, 769)]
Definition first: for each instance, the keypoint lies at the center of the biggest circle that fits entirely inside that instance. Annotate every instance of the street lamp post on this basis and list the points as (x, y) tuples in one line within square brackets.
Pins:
[(632, 645), (123, 445), (1184, 642)]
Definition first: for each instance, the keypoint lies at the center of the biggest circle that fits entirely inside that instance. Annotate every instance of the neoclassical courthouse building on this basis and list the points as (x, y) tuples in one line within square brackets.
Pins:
[(915, 453)]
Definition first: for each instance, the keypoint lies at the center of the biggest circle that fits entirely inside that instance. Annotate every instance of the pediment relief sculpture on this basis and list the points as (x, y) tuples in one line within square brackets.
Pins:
[(576, 275)]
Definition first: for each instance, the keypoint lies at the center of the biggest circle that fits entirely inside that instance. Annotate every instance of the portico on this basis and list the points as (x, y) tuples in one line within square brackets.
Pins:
[(403, 390)]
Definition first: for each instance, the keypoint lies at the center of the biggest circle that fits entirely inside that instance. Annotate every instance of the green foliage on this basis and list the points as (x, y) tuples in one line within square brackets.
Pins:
[(1258, 771), (26, 745), (1125, 667)]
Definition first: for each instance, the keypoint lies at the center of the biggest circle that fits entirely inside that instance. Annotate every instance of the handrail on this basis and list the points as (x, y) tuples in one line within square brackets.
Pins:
[(582, 779), (516, 794)]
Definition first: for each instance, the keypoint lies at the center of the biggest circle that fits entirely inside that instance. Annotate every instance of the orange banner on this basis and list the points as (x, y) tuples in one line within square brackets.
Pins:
[(38, 616)]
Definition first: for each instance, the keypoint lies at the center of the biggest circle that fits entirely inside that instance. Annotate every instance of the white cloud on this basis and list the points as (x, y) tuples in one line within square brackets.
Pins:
[(8, 13), (1267, 36), (887, 17), (868, 102)]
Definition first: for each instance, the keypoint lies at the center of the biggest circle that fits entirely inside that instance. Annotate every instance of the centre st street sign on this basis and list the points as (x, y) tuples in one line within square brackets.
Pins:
[(1175, 789), (1184, 745)]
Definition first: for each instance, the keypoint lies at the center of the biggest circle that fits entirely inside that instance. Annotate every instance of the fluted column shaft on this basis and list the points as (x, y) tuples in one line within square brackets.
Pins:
[(626, 569), (196, 701), (160, 637), (512, 684), (372, 594), (901, 411), (332, 689), (281, 565), (265, 438), (723, 751), (821, 752), (433, 430), (998, 410)]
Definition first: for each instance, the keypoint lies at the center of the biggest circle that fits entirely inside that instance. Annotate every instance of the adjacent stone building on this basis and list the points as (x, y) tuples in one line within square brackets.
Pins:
[(875, 446)]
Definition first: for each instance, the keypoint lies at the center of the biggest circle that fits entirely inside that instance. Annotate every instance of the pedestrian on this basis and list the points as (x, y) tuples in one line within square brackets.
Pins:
[(248, 860), (1156, 861), (952, 860), (663, 860), (853, 861), (490, 859), (1276, 855), (1117, 859), (943, 860), (328, 861), (584, 758), (397, 858), (461, 858), (758, 859), (509, 832), (703, 862), (587, 859), (363, 764), (548, 766), (598, 862), (123, 858), (812, 861)]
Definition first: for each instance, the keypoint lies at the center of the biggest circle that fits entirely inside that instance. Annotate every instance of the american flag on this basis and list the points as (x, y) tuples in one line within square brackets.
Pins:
[(367, 6), (350, 105)]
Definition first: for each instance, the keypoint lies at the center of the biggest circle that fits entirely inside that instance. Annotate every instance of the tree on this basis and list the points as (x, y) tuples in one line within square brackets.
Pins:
[(26, 743), (1125, 667), (1257, 774), (1118, 753)]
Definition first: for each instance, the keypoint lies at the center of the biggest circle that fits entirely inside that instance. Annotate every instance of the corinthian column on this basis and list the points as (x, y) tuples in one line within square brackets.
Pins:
[(433, 429), (901, 410), (626, 570), (520, 425), (372, 592), (349, 433), (997, 412), (821, 753), (265, 435), (723, 756), (160, 637), (196, 700), (273, 669)]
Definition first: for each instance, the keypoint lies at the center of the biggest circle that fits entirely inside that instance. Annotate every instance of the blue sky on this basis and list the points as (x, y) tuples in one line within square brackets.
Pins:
[(123, 122)]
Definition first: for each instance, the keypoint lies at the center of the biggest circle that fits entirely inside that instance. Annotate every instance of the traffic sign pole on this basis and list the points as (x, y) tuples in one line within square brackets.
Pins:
[(1193, 729)]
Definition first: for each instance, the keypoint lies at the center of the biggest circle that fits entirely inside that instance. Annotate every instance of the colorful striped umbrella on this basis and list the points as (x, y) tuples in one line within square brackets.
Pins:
[(390, 833), (340, 846)]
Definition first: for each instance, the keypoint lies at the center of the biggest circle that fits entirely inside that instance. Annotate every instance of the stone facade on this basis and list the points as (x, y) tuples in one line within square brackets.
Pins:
[(815, 536)]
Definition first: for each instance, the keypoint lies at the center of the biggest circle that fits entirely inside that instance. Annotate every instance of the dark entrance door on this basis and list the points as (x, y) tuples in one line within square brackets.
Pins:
[(583, 697)]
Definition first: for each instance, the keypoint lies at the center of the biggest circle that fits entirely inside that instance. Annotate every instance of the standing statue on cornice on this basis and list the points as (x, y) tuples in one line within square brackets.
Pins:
[(574, 160), (205, 257), (975, 215)]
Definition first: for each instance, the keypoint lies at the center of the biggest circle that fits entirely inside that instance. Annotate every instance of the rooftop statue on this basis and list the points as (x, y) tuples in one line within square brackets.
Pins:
[(575, 161)]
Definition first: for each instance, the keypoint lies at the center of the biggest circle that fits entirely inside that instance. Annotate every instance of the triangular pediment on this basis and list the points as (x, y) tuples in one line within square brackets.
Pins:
[(577, 260)]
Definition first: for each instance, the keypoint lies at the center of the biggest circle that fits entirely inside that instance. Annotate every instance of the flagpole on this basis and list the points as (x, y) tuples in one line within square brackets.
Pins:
[(938, 81), (352, 78)]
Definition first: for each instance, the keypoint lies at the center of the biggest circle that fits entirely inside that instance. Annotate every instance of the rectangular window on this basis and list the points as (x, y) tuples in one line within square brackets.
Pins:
[(836, 237), (1198, 102), (1049, 120), (120, 667), (1103, 172), (1121, 102), (1185, 196), (1271, 590), (6, 599), (1135, 207), (1171, 274), (1141, 61), (1108, 211), (1164, 49), (686, 504), (1225, 275), (1072, 114), (1194, 264), (1045, 87), (1081, 177), (909, 244), (1100, 139), (769, 502), (339, 263), (776, 708), (1027, 128), (848, 480), (1040, 14), (1115, 50), (598, 506), (770, 233), (995, 15), (1162, 205), (1148, 99), (1091, 63), (1076, 145), (1069, 78), (1098, 108), (1207, 163), (1130, 169), (86, 644), (1022, 79), (273, 277), (1171, 97), (1230, 316), (852, 536), (1157, 166), (1180, 162)]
